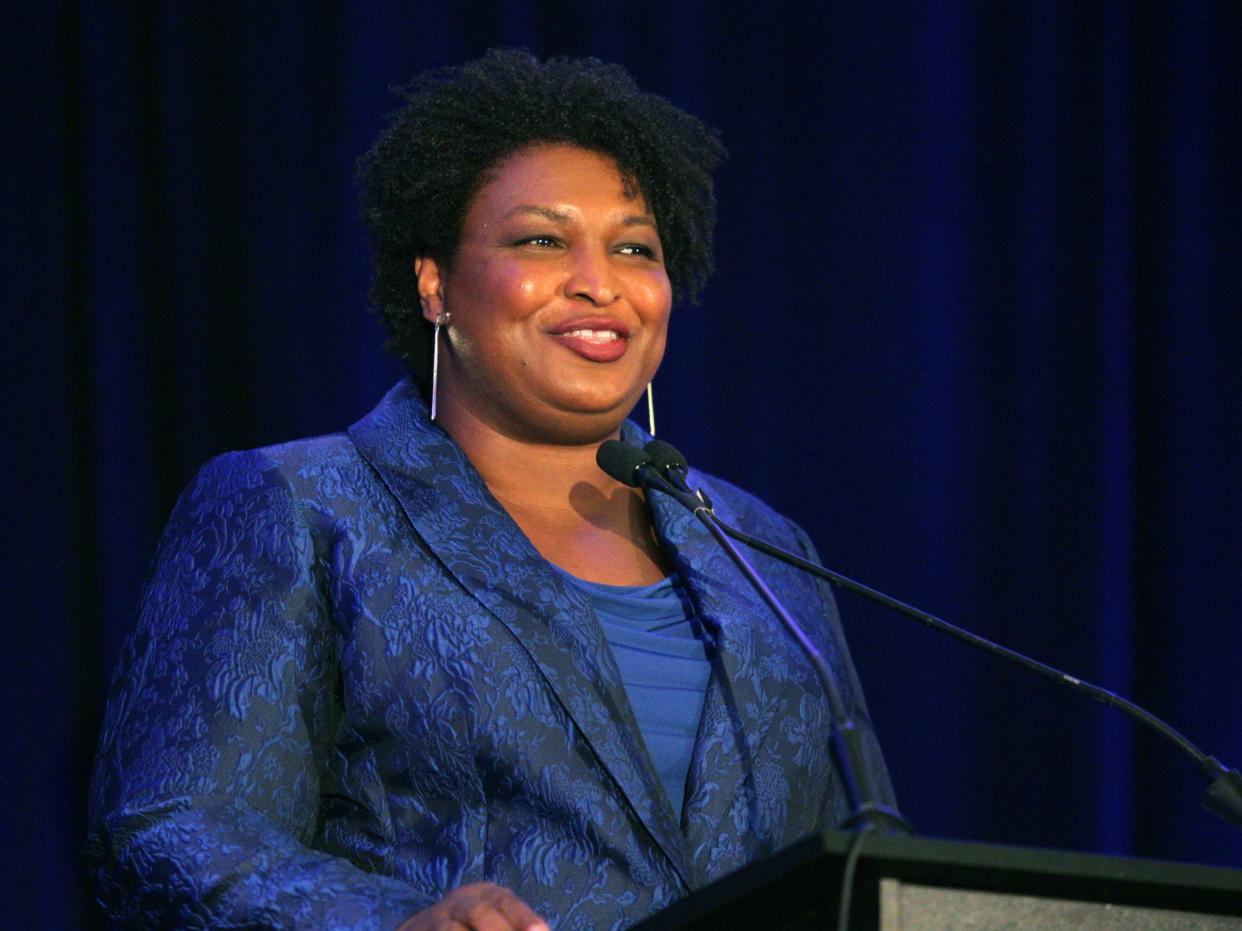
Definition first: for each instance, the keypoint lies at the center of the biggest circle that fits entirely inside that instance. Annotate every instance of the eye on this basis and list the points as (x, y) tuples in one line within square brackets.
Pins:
[(542, 241), (638, 249)]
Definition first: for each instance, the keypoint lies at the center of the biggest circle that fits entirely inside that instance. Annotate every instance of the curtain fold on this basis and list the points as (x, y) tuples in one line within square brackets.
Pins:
[(977, 322)]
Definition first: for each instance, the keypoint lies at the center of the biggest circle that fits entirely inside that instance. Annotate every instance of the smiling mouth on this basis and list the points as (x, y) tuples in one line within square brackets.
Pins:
[(599, 337), (596, 344)]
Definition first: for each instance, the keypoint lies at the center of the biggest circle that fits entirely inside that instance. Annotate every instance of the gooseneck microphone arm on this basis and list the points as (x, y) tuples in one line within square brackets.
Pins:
[(634, 467), (1223, 797)]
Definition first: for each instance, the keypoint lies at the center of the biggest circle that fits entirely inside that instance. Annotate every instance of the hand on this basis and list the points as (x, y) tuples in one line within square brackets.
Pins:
[(477, 907)]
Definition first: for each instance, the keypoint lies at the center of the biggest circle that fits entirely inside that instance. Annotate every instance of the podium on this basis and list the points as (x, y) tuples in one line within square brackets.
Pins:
[(919, 884)]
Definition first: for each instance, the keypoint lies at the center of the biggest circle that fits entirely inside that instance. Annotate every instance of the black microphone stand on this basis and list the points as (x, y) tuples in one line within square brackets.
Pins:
[(1223, 796), (867, 813)]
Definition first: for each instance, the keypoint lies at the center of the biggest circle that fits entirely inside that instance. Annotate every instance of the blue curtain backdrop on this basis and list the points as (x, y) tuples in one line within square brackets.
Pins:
[(977, 325)]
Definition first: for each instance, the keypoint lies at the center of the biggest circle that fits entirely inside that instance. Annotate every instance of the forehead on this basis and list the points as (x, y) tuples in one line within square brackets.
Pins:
[(557, 176)]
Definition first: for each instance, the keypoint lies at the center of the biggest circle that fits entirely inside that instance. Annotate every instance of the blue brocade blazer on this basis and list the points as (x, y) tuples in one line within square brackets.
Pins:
[(355, 685)]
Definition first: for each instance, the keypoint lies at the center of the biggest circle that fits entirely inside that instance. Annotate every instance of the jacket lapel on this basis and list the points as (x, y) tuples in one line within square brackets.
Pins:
[(456, 516), (723, 826)]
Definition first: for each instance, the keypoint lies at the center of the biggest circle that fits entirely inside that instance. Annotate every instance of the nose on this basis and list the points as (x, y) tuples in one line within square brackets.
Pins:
[(592, 278)]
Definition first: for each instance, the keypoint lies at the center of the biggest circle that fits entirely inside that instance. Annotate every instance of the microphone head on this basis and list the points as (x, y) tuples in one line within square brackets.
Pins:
[(665, 456), (621, 461)]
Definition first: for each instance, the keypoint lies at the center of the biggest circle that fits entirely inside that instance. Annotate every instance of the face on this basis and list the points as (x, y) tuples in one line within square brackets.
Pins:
[(558, 299)]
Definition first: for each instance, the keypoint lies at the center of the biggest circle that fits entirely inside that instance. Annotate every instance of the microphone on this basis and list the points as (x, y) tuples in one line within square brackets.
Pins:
[(622, 461), (1223, 797), (673, 466), (667, 457), (636, 468)]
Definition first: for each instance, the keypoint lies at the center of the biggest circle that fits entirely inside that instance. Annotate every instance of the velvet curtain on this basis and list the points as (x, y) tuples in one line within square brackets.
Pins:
[(976, 326)]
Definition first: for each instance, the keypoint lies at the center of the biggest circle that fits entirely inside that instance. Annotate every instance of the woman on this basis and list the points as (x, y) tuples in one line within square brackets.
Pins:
[(440, 671)]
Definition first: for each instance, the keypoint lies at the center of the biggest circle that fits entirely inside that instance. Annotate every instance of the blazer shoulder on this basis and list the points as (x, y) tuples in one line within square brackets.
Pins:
[(749, 512), (295, 456), (312, 480), (295, 462)]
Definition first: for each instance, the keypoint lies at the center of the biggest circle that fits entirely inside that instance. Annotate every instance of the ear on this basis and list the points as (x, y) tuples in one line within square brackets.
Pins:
[(430, 276)]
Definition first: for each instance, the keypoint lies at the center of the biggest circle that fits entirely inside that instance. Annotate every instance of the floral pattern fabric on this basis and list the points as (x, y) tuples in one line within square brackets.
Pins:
[(354, 685)]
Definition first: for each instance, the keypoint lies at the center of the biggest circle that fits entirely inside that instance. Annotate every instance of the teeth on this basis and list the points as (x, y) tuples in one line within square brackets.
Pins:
[(599, 336)]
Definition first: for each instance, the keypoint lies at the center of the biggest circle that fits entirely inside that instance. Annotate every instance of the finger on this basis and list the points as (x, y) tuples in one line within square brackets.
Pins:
[(519, 915), (480, 915), (495, 908)]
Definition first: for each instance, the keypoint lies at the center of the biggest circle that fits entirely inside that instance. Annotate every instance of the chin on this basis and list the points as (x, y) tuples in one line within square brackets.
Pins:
[(581, 423), (592, 395), (577, 430)]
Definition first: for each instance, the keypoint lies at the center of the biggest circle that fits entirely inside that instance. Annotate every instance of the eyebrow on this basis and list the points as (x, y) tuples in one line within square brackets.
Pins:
[(639, 219), (557, 216)]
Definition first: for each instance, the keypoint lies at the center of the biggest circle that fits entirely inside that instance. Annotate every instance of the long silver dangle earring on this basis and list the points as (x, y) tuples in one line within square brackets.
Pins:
[(435, 362), (650, 411)]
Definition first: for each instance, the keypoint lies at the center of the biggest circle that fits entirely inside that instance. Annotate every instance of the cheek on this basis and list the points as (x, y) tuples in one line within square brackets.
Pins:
[(657, 300), (515, 293), (503, 287)]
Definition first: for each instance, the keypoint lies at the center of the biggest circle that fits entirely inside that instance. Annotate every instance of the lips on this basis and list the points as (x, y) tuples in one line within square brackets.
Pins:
[(598, 339)]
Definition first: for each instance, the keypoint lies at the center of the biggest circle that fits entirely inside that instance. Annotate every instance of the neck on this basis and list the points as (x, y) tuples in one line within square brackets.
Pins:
[(535, 475), (575, 515)]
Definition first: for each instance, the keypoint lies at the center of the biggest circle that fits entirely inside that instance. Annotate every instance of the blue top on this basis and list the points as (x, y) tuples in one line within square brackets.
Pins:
[(662, 649)]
